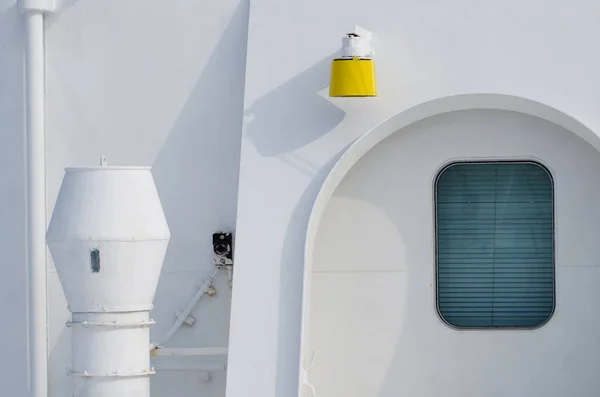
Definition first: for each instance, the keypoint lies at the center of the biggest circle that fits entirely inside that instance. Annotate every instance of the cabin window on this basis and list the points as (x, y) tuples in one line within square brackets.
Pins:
[(495, 244)]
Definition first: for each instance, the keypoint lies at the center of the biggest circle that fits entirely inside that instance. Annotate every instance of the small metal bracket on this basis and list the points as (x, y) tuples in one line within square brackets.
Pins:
[(189, 320)]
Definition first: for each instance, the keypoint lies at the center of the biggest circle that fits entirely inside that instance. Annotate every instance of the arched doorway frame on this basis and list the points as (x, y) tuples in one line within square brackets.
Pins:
[(392, 125)]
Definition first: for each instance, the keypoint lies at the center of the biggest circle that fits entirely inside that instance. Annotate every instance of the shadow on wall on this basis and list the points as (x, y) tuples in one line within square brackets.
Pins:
[(291, 283), (293, 114), (196, 171), (12, 202)]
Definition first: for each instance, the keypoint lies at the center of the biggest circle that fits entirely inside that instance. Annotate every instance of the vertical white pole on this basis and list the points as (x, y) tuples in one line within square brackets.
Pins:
[(35, 109)]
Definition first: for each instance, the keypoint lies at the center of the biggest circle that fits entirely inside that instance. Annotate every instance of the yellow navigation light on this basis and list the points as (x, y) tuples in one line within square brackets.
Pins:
[(352, 77), (353, 73)]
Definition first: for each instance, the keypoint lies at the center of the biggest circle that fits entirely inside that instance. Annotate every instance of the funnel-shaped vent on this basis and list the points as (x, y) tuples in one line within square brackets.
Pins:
[(108, 237)]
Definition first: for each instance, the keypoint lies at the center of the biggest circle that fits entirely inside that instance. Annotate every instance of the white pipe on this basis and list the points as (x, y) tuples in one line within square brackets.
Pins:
[(181, 317), (109, 354), (203, 370), (35, 119), (167, 366), (190, 351)]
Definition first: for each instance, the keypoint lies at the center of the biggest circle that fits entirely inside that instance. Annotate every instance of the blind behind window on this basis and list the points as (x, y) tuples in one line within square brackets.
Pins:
[(495, 244)]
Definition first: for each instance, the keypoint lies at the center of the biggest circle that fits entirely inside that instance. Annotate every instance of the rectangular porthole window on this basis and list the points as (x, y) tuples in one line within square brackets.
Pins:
[(495, 244)]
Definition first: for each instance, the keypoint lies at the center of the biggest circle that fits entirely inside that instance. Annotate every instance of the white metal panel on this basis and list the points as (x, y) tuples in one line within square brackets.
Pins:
[(426, 50)]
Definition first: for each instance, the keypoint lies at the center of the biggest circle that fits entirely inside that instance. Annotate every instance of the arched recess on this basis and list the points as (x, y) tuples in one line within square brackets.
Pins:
[(394, 124)]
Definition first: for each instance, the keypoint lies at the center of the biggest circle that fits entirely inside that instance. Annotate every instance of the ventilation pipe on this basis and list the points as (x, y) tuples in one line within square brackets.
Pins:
[(35, 124), (108, 237)]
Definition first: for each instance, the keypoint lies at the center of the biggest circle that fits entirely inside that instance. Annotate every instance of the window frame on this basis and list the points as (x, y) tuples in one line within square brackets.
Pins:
[(438, 174)]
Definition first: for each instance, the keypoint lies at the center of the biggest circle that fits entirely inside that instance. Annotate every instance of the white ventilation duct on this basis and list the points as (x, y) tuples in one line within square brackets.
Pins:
[(108, 237)]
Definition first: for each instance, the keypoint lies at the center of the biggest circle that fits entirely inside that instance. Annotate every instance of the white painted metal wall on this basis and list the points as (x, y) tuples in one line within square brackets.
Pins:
[(293, 132), (373, 320), (155, 83), (13, 364), (145, 83)]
